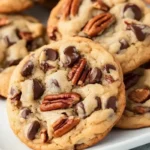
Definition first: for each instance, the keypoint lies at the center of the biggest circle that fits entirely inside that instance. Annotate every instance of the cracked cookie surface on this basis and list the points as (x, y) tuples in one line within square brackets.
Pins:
[(19, 35), (69, 92), (121, 26), (137, 84)]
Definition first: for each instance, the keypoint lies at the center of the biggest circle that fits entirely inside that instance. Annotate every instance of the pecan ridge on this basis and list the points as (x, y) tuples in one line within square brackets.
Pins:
[(59, 101), (64, 125), (71, 8), (98, 24)]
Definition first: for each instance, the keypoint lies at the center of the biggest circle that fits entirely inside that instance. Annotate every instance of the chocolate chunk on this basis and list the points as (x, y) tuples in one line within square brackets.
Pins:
[(146, 65), (111, 103), (14, 62), (34, 44), (99, 103), (25, 112), (52, 34), (138, 30), (71, 55), (80, 110), (45, 66), (109, 79), (8, 42), (95, 76), (27, 69), (38, 89), (33, 130), (130, 80), (109, 67), (51, 54), (123, 44), (55, 82), (15, 95), (135, 10)]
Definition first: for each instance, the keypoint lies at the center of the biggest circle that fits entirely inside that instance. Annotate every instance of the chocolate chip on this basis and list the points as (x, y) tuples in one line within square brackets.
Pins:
[(38, 89), (130, 80), (27, 69), (71, 55), (52, 34), (111, 103), (25, 113), (99, 103), (34, 44), (55, 82), (135, 10), (13, 62), (109, 67), (146, 65), (123, 44), (138, 30), (8, 42), (51, 54), (15, 95), (80, 110), (45, 66), (95, 76), (33, 129)]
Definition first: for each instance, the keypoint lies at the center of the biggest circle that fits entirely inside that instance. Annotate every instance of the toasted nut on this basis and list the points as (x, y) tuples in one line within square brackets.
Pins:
[(59, 101), (139, 95), (71, 8), (44, 135), (98, 24), (25, 35), (64, 125), (141, 110), (4, 21), (99, 4)]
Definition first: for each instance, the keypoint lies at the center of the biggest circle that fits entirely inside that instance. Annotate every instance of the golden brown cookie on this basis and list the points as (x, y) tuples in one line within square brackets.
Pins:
[(69, 92), (137, 114), (19, 35), (121, 26)]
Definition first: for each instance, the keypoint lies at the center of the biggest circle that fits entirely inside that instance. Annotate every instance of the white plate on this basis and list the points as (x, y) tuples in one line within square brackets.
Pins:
[(116, 140)]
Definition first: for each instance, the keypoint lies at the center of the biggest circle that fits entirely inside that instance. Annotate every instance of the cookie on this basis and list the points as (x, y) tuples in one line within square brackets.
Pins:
[(9, 6), (19, 35), (69, 92), (121, 26), (137, 114)]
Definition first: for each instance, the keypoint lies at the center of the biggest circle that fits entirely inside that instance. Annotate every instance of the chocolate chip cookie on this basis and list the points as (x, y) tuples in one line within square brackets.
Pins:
[(137, 112), (66, 95), (19, 35), (121, 26)]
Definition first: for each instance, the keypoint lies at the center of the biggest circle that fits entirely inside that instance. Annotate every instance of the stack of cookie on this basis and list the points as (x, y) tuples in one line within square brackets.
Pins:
[(68, 92)]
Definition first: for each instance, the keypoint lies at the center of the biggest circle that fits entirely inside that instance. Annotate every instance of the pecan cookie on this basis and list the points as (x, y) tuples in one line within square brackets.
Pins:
[(122, 27), (137, 112), (19, 35), (66, 95)]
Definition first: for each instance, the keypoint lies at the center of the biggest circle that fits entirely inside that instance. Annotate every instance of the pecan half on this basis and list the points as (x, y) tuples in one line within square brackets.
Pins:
[(59, 101), (79, 72), (4, 21), (25, 35), (71, 8), (99, 4), (141, 110), (98, 24), (64, 125), (139, 95), (44, 135)]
